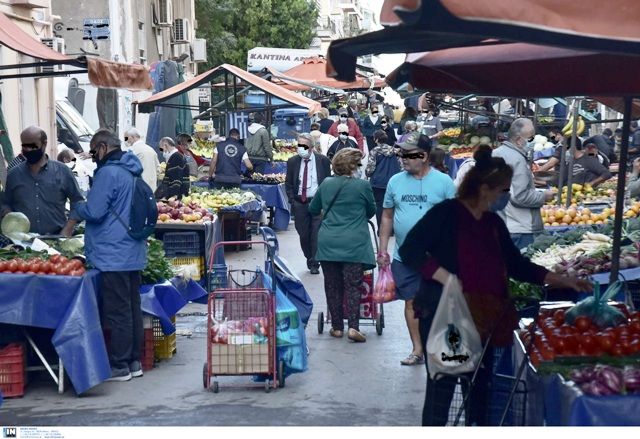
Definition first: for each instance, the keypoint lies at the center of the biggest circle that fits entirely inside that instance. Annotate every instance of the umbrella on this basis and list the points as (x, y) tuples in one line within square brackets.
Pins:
[(419, 25)]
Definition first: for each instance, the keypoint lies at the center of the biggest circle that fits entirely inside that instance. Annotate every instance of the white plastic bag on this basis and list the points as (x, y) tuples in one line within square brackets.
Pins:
[(454, 345)]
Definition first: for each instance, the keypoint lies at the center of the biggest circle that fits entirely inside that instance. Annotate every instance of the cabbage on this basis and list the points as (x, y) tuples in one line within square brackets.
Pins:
[(72, 245), (15, 222), (474, 140), (485, 140)]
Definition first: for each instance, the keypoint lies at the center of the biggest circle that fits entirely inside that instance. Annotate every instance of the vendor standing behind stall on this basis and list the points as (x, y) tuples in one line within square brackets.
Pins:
[(225, 170), (109, 248), (40, 188)]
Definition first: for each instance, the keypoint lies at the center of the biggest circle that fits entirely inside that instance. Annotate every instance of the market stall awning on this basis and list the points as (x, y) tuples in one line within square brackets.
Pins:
[(314, 70), (102, 73), (421, 25), (520, 69), (147, 105)]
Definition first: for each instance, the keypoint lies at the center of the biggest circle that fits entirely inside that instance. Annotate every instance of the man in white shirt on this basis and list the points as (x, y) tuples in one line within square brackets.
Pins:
[(146, 154), (305, 172)]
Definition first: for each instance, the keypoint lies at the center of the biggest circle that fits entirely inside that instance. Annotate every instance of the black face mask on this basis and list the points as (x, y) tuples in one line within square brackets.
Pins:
[(33, 156)]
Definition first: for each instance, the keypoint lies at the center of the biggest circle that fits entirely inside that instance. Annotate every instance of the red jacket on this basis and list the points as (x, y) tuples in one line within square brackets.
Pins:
[(354, 131)]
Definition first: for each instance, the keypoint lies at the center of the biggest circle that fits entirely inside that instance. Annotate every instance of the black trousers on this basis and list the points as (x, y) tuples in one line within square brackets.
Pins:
[(378, 196), (259, 165), (439, 393), (307, 227), (122, 315)]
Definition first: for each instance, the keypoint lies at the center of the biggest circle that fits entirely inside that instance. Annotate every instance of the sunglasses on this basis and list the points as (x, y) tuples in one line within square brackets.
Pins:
[(412, 155), (301, 145), (30, 146), (383, 123), (345, 134), (530, 139), (126, 138), (344, 116)]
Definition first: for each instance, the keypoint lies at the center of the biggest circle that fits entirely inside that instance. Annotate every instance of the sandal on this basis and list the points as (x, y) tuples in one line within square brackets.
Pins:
[(412, 360)]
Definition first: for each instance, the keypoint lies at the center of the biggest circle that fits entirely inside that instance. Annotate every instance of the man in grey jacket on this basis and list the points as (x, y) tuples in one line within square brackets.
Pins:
[(258, 144), (522, 214)]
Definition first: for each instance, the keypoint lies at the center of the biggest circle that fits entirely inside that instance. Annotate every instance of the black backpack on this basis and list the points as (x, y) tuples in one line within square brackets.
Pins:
[(144, 211)]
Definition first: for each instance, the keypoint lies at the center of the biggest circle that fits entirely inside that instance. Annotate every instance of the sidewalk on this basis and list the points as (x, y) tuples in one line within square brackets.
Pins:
[(346, 384)]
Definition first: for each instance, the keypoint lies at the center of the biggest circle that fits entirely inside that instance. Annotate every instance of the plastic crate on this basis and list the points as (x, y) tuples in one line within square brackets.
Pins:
[(12, 370), (194, 265), (148, 356), (164, 346), (183, 244)]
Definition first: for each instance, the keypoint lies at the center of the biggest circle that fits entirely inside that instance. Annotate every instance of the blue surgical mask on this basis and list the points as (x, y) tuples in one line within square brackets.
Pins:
[(501, 202)]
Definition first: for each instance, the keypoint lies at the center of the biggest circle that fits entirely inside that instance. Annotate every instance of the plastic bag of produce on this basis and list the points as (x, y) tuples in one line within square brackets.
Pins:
[(597, 309), (454, 344), (385, 289)]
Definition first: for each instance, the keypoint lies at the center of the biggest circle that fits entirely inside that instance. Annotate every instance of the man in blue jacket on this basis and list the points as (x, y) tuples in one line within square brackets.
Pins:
[(110, 249)]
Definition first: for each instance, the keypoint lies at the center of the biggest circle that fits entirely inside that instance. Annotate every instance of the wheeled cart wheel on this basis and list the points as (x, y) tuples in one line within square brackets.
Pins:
[(280, 373), (320, 322), (382, 315), (216, 388), (379, 324), (205, 376)]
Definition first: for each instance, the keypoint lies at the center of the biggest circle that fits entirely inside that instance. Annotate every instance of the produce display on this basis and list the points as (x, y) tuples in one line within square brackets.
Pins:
[(540, 143), (216, 199), (586, 194), (283, 149), (266, 178), (602, 380), (39, 263), (158, 268), (582, 341), (185, 211), (458, 151), (203, 148), (574, 216), (567, 130)]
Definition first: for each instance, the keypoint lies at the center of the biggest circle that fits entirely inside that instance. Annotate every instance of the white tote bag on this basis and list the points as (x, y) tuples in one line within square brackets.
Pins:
[(454, 345)]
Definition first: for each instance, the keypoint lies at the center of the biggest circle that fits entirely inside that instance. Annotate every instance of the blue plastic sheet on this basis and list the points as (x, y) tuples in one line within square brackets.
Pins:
[(274, 196), (251, 210), (69, 305)]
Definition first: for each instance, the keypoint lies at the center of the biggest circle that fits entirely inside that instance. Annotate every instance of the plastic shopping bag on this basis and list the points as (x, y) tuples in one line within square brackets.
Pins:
[(385, 289), (454, 345)]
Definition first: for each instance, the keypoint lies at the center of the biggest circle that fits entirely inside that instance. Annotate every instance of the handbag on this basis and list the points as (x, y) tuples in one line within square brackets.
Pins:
[(453, 345)]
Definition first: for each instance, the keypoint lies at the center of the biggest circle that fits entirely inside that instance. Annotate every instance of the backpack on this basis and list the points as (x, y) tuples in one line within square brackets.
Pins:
[(144, 211)]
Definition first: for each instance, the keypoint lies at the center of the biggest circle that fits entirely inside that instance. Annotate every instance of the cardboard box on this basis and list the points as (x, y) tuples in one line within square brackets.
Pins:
[(255, 358), (239, 359), (224, 359)]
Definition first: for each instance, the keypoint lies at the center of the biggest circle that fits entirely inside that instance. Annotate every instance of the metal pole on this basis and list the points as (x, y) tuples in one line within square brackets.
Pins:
[(574, 136), (226, 100), (563, 166), (620, 191)]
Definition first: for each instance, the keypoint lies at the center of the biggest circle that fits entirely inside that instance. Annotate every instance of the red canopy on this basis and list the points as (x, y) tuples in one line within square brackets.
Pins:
[(314, 70)]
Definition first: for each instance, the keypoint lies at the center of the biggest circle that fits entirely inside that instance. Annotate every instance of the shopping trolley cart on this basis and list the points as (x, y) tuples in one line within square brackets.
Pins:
[(241, 324)]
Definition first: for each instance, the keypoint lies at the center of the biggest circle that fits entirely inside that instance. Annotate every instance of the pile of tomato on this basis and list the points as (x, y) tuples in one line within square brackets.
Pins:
[(54, 265), (555, 338)]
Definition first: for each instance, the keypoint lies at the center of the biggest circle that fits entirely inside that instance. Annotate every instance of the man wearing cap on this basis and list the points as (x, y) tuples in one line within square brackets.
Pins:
[(344, 141), (352, 125), (410, 194), (305, 172), (146, 154)]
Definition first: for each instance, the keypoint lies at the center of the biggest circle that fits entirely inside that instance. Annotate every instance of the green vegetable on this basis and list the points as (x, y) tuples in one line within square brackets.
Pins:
[(524, 293), (15, 222), (158, 268)]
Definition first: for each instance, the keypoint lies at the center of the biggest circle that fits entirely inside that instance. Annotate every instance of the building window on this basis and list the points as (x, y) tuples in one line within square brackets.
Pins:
[(142, 42)]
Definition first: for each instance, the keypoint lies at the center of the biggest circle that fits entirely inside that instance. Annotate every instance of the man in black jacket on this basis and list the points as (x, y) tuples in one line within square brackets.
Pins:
[(305, 172), (176, 182)]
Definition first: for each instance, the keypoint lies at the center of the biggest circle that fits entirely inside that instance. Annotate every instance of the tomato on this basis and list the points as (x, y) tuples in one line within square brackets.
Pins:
[(77, 264), (606, 342), (54, 259), (617, 351), (45, 267), (582, 323), (634, 347), (12, 266), (3, 266), (587, 341), (36, 266), (634, 326), (558, 317), (571, 342)]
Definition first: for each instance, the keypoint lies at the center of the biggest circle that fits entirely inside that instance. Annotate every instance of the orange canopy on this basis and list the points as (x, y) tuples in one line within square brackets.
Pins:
[(147, 105), (314, 70)]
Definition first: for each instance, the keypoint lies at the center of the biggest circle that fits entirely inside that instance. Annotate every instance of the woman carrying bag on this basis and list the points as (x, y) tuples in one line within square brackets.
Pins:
[(472, 244), (344, 243)]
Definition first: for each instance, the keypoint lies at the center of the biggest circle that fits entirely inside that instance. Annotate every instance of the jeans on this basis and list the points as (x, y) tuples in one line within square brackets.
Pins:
[(122, 315), (522, 240)]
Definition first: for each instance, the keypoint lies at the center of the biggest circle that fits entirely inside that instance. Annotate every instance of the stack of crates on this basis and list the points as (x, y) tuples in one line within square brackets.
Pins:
[(164, 346), (147, 344), (186, 251), (12, 370)]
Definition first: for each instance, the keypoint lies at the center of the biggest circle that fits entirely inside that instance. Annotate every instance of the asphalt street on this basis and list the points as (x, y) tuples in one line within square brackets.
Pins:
[(346, 384)]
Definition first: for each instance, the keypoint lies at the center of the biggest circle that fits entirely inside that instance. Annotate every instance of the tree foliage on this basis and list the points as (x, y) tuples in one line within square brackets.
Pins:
[(233, 27)]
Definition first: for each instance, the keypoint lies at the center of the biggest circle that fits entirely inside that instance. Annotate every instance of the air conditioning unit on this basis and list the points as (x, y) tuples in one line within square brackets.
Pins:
[(199, 48), (165, 13), (181, 30), (56, 44)]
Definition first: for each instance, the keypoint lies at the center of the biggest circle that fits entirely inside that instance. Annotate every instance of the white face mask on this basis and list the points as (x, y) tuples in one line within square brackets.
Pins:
[(343, 119), (304, 153), (71, 165), (343, 137), (166, 155)]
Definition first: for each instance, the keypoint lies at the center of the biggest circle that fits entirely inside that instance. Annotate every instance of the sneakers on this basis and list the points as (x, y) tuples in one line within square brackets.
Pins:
[(120, 375), (314, 270), (356, 336), (136, 369)]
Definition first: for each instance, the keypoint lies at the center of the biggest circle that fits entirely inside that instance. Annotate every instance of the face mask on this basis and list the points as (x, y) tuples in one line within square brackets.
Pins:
[(71, 165), (501, 202), (33, 156), (343, 118), (166, 155), (343, 137), (303, 152)]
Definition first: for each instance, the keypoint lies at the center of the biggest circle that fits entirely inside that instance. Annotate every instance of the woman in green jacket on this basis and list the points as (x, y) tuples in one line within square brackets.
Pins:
[(344, 241)]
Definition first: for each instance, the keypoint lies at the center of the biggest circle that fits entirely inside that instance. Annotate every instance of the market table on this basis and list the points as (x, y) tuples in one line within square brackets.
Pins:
[(69, 305)]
